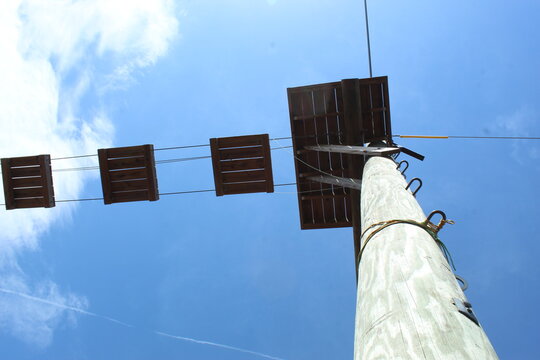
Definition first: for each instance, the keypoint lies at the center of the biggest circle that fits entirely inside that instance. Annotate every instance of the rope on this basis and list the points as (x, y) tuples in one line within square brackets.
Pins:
[(424, 225)]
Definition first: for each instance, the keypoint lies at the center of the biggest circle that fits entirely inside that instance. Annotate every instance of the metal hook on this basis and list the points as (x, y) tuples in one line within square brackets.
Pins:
[(441, 222), (406, 167), (465, 284), (395, 156), (418, 188)]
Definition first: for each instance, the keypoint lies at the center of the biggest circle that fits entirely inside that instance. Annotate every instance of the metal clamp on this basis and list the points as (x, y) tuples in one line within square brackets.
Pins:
[(465, 308), (399, 166), (418, 188), (441, 223)]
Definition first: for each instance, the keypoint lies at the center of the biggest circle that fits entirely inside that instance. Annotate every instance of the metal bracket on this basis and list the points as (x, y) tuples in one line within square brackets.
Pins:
[(419, 185), (465, 308), (357, 150), (339, 181), (412, 153)]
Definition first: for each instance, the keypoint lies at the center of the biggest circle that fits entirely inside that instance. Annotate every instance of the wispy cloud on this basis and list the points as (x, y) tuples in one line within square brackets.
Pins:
[(54, 54), (77, 309)]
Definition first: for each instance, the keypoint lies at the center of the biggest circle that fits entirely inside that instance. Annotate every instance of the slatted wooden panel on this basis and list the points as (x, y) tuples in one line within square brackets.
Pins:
[(322, 115), (128, 174), (242, 164), (316, 114), (28, 182)]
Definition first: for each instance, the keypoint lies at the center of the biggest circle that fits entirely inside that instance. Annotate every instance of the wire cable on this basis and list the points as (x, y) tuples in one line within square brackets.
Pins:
[(367, 35), (317, 169), (466, 137), (158, 149), (166, 161), (160, 194)]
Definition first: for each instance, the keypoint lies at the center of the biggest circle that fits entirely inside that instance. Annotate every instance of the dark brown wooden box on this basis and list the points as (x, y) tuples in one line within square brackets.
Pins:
[(28, 182), (242, 164), (128, 174), (349, 112)]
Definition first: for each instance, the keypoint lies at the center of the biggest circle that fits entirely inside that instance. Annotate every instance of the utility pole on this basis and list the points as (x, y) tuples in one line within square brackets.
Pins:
[(409, 304)]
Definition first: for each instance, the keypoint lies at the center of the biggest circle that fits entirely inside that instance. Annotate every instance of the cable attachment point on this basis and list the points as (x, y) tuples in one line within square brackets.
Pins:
[(465, 308), (406, 167), (464, 285), (410, 183), (442, 222)]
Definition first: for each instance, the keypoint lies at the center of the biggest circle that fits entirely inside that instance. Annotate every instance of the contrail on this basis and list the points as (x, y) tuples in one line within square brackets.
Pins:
[(88, 313), (62, 306), (217, 345)]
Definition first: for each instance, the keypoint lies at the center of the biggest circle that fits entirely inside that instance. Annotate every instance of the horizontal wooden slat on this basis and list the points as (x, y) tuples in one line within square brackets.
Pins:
[(242, 176), (242, 164), (28, 193), (314, 116), (244, 188), (129, 185), (127, 151), (241, 153), (26, 182), (302, 89), (131, 174), (236, 141), (25, 171), (24, 161), (311, 226), (29, 203), (130, 196), (126, 163)]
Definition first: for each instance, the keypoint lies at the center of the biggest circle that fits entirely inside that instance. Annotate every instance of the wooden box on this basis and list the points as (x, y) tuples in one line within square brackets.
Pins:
[(28, 182), (242, 164), (128, 174)]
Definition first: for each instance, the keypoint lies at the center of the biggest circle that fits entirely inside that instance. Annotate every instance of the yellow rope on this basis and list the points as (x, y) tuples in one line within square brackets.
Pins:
[(423, 137)]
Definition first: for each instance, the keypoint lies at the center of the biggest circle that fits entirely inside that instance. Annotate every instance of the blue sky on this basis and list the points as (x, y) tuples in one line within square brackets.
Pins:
[(237, 270)]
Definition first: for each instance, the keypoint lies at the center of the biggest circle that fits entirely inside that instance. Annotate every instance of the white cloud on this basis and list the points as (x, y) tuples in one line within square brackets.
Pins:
[(54, 53)]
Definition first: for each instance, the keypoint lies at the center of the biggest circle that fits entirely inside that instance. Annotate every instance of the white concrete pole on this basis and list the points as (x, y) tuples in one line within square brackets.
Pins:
[(406, 289)]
